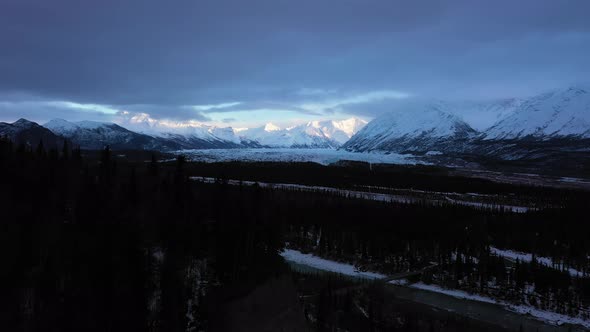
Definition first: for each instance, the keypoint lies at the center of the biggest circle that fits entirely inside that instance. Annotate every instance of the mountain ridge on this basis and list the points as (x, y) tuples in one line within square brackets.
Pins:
[(29, 133), (313, 134), (92, 135), (558, 113), (559, 119), (418, 128)]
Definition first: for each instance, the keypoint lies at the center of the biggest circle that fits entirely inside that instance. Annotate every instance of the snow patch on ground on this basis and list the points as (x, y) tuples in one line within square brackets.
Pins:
[(546, 316), (453, 292), (328, 265), (527, 257)]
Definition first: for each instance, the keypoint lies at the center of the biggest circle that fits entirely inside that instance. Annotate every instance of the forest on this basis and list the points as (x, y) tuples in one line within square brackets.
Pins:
[(101, 242)]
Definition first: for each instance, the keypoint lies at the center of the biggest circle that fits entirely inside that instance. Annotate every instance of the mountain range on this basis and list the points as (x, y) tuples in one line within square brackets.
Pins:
[(92, 135), (554, 121), (548, 123), (314, 134)]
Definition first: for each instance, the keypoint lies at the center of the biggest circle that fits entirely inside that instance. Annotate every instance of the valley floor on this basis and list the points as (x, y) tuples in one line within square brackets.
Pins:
[(509, 173), (403, 196)]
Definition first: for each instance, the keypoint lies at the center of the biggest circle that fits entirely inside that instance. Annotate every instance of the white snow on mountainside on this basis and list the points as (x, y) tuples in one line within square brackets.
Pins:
[(66, 128), (143, 123), (415, 127), (422, 125), (484, 114), (317, 134), (339, 131), (95, 135), (559, 113)]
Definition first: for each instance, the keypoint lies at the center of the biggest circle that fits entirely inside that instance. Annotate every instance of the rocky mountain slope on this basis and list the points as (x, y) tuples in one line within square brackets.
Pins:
[(29, 133), (96, 135)]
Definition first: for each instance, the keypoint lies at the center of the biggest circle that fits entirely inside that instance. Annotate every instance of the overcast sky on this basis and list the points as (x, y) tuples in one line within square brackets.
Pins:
[(242, 63)]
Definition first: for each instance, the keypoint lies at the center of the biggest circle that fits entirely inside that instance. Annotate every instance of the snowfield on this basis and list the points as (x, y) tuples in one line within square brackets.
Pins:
[(320, 156), (319, 263)]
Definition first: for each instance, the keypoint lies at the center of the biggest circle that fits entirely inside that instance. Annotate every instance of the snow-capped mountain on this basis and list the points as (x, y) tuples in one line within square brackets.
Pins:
[(96, 135), (415, 127), (560, 113), (529, 128), (339, 131), (29, 133), (481, 115), (191, 135), (164, 135), (314, 134), (294, 137)]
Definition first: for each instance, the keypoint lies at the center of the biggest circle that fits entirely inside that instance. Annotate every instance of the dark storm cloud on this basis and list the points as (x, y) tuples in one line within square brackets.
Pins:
[(161, 56)]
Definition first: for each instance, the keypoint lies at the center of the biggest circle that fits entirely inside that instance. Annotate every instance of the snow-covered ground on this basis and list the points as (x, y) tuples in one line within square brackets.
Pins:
[(513, 208), (527, 257), (546, 316), (327, 265), (349, 270), (574, 180), (320, 156)]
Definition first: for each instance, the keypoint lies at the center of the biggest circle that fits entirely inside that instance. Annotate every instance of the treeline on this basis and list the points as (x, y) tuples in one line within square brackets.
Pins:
[(331, 302), (353, 175), (391, 238), (105, 244)]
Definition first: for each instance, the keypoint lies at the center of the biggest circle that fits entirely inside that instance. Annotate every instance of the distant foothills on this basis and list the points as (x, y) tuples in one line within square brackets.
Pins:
[(549, 122)]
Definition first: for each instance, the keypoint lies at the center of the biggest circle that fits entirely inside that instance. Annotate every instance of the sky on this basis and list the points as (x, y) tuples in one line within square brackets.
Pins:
[(244, 63)]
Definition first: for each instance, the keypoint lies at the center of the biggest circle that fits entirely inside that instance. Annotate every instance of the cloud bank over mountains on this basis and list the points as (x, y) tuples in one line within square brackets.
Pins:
[(244, 64)]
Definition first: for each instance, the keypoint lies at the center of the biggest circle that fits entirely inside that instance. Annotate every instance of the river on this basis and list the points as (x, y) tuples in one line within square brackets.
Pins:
[(487, 313)]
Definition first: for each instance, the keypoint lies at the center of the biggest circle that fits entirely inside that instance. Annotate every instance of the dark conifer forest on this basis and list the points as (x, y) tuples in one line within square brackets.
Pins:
[(105, 242)]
